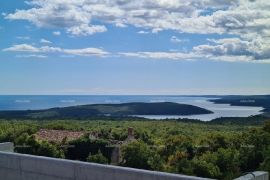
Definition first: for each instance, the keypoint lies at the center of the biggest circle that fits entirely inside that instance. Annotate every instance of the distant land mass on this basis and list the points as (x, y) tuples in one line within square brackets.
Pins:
[(255, 101), (95, 110)]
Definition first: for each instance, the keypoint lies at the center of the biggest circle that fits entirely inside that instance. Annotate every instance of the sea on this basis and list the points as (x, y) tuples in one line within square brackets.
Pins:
[(37, 102)]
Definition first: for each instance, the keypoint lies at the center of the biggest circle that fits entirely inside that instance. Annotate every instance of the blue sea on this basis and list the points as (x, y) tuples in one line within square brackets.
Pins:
[(29, 102)]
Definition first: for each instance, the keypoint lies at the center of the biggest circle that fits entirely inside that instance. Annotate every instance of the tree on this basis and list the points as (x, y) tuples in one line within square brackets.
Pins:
[(216, 141), (222, 164), (206, 169), (138, 155), (30, 145), (97, 158), (266, 126), (228, 162), (179, 163), (178, 143), (50, 150), (256, 142)]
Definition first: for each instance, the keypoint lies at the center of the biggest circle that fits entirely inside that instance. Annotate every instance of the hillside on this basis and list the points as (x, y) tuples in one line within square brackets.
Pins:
[(125, 109)]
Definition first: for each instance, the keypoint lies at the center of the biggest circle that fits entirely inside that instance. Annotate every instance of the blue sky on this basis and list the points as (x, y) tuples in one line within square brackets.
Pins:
[(144, 47)]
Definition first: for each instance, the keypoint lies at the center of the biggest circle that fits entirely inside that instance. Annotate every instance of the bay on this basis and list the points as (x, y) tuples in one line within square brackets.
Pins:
[(36, 102)]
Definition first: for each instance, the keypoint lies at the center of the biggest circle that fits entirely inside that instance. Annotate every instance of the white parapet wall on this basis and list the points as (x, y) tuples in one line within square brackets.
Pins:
[(14, 166), (257, 175), (7, 147)]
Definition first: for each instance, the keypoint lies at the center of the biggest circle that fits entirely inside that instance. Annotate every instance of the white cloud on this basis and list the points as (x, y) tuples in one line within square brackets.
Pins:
[(22, 48), (23, 37), (57, 33), (256, 49), (143, 32), (45, 41), (226, 49), (194, 16), (48, 49), (86, 52), (249, 20), (175, 39), (31, 56), (86, 30), (161, 55), (121, 25), (174, 55)]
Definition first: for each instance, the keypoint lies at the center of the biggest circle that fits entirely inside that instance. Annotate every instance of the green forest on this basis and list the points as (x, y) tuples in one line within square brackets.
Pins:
[(213, 150)]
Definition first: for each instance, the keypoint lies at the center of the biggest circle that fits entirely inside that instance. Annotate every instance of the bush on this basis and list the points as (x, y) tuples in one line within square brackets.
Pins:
[(97, 158), (138, 155)]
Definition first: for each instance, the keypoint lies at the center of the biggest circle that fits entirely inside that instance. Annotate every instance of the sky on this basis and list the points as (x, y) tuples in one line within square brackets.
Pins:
[(109, 47)]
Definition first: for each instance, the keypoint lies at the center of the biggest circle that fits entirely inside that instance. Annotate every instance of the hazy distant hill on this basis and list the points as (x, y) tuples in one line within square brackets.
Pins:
[(125, 109), (255, 100)]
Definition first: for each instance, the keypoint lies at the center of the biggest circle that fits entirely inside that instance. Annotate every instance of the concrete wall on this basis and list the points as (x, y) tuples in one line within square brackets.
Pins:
[(257, 175), (7, 146), (15, 166)]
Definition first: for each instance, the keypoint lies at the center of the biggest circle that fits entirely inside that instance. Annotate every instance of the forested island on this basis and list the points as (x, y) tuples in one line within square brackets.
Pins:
[(113, 110)]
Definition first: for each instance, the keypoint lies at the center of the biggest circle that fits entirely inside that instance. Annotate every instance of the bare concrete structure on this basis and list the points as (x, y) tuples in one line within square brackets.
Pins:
[(257, 175), (130, 133), (116, 155), (7, 146), (15, 166)]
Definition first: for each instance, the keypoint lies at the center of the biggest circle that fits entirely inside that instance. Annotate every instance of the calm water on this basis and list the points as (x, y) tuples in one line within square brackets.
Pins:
[(44, 102)]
